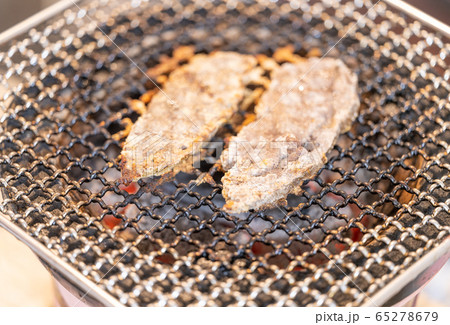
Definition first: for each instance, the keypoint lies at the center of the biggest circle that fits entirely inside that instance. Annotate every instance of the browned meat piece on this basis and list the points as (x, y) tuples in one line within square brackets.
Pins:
[(203, 94), (293, 130)]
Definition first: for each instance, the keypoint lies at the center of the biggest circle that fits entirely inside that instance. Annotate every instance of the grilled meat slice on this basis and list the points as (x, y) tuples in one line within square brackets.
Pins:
[(197, 99), (293, 130)]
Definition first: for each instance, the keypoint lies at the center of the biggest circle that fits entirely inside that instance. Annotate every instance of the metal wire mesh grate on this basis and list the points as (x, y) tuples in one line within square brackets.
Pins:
[(378, 204)]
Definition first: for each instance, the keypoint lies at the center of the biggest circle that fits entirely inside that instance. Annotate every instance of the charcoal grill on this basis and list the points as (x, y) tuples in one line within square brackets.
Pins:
[(368, 223)]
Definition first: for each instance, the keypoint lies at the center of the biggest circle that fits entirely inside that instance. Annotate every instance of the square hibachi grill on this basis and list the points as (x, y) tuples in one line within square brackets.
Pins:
[(376, 208)]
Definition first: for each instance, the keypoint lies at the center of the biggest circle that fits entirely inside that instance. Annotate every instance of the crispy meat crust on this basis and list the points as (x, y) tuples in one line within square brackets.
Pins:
[(293, 130), (201, 96)]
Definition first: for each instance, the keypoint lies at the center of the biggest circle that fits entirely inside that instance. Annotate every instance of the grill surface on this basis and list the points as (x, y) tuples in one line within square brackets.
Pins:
[(378, 204)]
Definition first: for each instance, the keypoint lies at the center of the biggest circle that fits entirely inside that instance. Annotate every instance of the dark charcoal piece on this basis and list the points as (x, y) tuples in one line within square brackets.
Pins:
[(302, 299), (281, 285), (225, 300), (32, 91), (147, 298), (264, 300)]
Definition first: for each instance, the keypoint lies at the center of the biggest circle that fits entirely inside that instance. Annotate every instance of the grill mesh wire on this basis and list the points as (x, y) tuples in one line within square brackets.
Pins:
[(378, 205)]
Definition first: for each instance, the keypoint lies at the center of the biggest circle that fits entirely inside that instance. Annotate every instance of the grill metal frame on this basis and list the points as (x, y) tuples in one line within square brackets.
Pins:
[(98, 295)]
